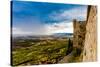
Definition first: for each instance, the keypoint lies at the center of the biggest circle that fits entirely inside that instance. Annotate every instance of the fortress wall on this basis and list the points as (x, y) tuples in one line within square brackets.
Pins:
[(90, 44), (79, 34)]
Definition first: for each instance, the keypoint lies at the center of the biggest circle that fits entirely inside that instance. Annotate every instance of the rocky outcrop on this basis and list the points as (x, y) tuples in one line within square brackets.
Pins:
[(90, 44), (85, 36)]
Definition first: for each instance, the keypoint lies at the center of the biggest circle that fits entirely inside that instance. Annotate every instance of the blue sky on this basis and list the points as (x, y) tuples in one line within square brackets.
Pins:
[(38, 18)]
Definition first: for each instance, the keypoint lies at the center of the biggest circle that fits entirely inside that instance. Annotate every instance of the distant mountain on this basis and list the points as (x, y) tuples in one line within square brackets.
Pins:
[(44, 36), (63, 34)]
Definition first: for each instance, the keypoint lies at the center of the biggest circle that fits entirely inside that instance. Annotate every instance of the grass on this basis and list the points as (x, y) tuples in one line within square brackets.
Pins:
[(49, 52)]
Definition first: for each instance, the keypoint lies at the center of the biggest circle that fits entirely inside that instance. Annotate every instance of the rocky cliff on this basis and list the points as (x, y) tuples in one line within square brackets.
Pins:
[(85, 36), (90, 44)]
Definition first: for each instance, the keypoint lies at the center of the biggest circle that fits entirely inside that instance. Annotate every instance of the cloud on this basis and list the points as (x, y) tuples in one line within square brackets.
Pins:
[(28, 26), (31, 20), (19, 31), (78, 13), (62, 27)]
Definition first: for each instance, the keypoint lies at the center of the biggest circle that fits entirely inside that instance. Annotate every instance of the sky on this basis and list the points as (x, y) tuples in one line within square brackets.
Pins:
[(41, 18)]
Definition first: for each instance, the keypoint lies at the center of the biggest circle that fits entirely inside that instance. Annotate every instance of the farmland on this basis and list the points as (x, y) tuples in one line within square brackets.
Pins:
[(44, 50)]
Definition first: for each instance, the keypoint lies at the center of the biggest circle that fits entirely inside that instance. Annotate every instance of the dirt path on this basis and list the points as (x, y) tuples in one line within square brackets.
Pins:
[(67, 58)]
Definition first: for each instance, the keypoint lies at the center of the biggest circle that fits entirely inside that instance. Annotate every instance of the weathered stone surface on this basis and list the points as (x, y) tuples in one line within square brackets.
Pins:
[(90, 44), (85, 35), (79, 36)]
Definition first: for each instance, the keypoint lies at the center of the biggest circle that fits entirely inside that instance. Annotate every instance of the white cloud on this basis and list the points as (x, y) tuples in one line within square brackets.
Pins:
[(62, 27), (19, 31), (59, 27), (65, 26), (78, 13)]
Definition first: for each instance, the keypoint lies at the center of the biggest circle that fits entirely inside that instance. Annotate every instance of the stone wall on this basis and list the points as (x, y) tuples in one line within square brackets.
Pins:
[(90, 44), (79, 36)]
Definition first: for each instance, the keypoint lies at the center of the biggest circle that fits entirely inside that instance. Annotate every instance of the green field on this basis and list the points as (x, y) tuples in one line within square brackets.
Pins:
[(39, 52)]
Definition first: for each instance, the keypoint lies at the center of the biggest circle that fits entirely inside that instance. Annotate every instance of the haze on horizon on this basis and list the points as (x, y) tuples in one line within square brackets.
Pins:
[(38, 18)]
